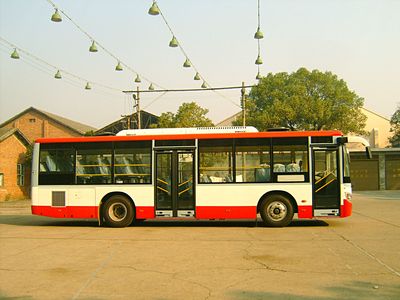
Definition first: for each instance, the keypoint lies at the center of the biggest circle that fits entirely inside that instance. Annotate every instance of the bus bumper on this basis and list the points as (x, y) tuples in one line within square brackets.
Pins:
[(346, 209)]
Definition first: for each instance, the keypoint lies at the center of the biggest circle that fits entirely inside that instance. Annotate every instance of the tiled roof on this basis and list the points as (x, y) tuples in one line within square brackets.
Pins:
[(7, 132), (82, 128)]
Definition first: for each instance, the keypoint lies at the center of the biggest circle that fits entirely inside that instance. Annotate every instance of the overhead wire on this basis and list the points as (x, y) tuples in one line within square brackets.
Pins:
[(101, 45), (47, 68), (259, 26), (187, 57)]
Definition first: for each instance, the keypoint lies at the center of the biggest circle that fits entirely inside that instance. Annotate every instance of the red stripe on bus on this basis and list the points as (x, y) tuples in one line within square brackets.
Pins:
[(305, 212), (272, 134), (226, 212), (80, 212), (145, 212), (84, 212), (346, 209)]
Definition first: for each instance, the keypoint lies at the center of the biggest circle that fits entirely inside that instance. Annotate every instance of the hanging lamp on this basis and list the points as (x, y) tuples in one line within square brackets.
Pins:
[(204, 85), (56, 17), (151, 87), (258, 35), (118, 67), (187, 63), (259, 60), (137, 79), (154, 10), (15, 54), (93, 47), (258, 76), (58, 75), (174, 42), (197, 76), (88, 87)]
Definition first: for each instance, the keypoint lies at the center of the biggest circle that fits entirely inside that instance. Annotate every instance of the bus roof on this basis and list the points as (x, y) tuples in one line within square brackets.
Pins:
[(189, 130), (187, 136)]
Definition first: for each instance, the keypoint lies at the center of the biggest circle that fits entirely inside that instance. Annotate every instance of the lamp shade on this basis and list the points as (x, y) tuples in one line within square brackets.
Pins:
[(58, 75), (118, 67), (137, 79), (56, 17), (259, 60), (154, 10), (187, 63), (197, 76), (15, 54), (93, 47), (88, 87), (151, 87), (174, 42), (258, 35)]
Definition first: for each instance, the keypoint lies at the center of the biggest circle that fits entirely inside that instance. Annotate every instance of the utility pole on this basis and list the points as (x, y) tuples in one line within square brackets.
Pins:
[(243, 91), (136, 107)]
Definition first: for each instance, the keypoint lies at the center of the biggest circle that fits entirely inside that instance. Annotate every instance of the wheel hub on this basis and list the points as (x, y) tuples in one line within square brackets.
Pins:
[(118, 211), (277, 210)]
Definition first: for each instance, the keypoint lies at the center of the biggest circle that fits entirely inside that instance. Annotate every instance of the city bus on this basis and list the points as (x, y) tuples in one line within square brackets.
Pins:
[(215, 173)]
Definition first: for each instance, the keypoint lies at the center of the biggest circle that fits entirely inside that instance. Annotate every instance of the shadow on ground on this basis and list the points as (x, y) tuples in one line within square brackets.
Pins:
[(349, 291), (28, 220)]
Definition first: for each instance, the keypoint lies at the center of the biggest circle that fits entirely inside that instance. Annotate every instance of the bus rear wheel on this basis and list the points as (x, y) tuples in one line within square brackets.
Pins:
[(276, 211), (118, 211)]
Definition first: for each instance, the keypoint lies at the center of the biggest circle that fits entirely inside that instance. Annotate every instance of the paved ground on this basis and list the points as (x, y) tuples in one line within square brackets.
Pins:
[(353, 258)]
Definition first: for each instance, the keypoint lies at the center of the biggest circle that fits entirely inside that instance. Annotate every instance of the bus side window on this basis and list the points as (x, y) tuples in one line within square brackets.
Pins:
[(290, 156)]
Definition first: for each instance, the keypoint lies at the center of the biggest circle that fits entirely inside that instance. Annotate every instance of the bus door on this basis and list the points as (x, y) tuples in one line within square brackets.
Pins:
[(174, 188), (326, 182)]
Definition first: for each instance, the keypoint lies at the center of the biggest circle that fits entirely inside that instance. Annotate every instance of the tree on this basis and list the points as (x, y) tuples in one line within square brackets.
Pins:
[(304, 100), (395, 128), (188, 115)]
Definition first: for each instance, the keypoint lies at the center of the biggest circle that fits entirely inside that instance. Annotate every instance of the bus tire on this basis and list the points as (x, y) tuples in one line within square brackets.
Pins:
[(276, 211), (118, 211)]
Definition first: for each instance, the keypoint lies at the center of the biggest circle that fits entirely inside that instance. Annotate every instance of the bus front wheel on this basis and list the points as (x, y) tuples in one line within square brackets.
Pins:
[(276, 211), (118, 211)]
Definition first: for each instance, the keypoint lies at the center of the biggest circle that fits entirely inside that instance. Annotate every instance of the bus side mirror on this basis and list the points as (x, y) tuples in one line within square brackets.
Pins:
[(368, 152)]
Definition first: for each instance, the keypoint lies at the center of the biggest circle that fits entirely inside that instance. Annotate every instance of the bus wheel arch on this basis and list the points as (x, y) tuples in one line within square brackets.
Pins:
[(277, 208), (117, 209)]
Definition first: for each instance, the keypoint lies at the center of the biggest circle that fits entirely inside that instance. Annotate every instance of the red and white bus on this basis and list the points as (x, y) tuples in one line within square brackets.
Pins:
[(194, 173)]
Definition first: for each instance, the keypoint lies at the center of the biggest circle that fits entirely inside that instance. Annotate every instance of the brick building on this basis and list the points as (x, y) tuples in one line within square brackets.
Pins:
[(13, 174), (16, 136)]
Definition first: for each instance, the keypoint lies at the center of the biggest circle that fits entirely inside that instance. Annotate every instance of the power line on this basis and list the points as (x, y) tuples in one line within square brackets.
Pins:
[(100, 45), (191, 90), (39, 61)]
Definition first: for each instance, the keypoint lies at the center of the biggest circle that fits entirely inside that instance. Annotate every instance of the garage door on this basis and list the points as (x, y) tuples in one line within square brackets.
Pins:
[(364, 174), (392, 172)]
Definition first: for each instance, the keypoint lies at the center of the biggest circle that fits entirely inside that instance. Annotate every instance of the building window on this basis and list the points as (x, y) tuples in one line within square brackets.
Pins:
[(1, 179), (33, 120), (20, 174)]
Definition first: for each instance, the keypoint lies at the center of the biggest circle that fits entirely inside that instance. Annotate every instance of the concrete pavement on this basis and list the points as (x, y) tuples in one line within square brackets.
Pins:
[(353, 258)]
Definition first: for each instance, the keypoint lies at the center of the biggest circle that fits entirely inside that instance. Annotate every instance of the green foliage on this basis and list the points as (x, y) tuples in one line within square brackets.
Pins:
[(395, 128), (28, 156), (304, 100), (188, 115)]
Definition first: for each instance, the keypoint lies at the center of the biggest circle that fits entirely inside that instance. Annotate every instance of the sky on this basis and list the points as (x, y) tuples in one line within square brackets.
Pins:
[(358, 40)]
